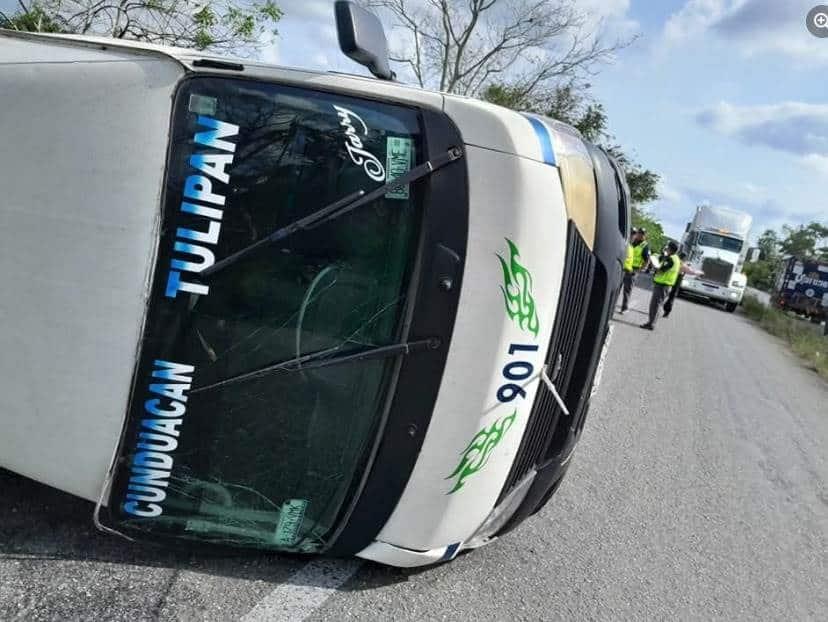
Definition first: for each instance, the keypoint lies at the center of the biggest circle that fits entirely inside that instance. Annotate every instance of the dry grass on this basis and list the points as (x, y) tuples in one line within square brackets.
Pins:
[(803, 339)]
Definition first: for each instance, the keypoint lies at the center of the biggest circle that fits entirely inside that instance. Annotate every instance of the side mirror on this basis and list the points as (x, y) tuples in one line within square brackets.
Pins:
[(362, 38)]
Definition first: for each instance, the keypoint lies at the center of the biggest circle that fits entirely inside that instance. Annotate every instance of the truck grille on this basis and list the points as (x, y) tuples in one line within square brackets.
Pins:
[(579, 268), (717, 270)]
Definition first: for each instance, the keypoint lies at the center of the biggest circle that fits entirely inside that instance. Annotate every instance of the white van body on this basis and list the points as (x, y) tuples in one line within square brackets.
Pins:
[(86, 127)]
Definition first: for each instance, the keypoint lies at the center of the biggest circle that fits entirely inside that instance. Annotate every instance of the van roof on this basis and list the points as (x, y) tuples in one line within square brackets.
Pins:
[(481, 123)]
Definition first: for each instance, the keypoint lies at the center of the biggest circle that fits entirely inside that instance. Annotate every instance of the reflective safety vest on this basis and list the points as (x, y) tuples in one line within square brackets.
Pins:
[(670, 276), (628, 262), (638, 255)]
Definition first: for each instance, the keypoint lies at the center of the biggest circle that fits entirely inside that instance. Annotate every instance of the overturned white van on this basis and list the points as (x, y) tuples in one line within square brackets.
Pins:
[(260, 307)]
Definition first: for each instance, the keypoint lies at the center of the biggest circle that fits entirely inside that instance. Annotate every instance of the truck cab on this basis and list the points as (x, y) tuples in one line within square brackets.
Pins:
[(262, 307), (716, 243)]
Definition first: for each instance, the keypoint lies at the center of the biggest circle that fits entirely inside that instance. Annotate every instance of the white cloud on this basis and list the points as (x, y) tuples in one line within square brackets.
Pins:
[(796, 128), (767, 212), (816, 162), (669, 193), (693, 18), (753, 27), (612, 17), (307, 38)]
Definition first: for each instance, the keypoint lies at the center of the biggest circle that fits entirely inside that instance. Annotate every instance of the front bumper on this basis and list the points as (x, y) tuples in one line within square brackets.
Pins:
[(432, 523), (713, 291)]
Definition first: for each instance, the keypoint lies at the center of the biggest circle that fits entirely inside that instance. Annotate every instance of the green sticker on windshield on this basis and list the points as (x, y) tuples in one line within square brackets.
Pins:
[(290, 522), (398, 163), (202, 104)]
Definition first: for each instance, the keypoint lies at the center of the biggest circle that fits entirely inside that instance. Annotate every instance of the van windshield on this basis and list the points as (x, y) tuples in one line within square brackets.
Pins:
[(268, 460), (720, 241)]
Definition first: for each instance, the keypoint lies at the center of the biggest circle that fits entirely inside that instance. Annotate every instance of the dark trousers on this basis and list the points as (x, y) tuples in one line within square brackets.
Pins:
[(659, 294), (629, 282), (668, 306)]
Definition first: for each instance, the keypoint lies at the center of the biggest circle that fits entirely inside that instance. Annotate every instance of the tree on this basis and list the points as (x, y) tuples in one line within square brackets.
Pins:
[(571, 104), (802, 241), (32, 19), (761, 274), (655, 232), (201, 24), (461, 46), (768, 244)]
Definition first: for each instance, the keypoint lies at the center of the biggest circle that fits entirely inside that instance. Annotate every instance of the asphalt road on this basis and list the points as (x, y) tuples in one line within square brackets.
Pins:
[(698, 491)]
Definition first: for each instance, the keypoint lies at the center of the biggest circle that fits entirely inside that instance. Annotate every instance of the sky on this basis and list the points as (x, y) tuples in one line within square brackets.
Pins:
[(725, 99)]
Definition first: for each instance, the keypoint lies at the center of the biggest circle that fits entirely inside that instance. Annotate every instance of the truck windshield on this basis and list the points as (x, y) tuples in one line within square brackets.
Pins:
[(720, 241), (268, 460)]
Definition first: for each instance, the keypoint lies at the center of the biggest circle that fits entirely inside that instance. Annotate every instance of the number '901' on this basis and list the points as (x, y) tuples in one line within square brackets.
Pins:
[(514, 372)]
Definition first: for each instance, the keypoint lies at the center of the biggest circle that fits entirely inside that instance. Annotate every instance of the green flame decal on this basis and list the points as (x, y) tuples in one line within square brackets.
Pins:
[(476, 454), (517, 291)]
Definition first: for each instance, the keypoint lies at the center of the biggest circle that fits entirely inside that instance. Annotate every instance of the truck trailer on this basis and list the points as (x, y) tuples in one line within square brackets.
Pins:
[(716, 243), (802, 287), (260, 307)]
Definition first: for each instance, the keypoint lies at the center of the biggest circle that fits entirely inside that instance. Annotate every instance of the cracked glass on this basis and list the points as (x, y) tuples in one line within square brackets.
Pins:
[(270, 460)]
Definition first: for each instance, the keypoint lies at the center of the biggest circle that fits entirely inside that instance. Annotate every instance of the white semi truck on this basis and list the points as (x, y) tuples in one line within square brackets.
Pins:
[(262, 307), (716, 243)]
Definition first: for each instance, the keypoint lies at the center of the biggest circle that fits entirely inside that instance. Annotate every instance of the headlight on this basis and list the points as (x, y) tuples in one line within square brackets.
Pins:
[(577, 178), (739, 280)]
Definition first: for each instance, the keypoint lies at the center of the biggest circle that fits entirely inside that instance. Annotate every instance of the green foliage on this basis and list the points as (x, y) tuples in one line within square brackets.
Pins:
[(576, 107), (643, 183), (269, 10), (506, 96), (221, 25), (803, 338), (36, 19), (769, 244), (761, 274), (655, 232), (802, 241)]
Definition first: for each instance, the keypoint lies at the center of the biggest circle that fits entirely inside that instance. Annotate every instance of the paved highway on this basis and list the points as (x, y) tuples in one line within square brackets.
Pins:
[(698, 491)]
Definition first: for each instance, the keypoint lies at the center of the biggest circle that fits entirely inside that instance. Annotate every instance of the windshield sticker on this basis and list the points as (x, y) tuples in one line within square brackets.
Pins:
[(353, 143), (398, 163), (152, 463), (475, 456), (290, 522), (199, 195), (202, 104), (517, 291)]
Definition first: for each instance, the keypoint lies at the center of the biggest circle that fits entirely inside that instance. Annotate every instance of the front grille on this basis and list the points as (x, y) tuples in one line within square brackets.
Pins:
[(579, 268), (717, 270)]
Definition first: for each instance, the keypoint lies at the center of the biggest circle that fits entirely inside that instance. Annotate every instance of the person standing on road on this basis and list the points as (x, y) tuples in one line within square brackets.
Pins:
[(666, 275), (638, 256), (685, 269)]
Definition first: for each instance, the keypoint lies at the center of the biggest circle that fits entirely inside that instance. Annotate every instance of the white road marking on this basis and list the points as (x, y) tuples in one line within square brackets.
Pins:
[(305, 591)]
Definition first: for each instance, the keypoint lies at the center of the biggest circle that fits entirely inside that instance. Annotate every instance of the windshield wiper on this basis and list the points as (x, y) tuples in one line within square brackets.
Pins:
[(326, 358), (338, 208)]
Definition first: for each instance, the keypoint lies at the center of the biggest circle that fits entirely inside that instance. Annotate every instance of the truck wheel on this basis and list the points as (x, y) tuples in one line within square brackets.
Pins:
[(730, 307)]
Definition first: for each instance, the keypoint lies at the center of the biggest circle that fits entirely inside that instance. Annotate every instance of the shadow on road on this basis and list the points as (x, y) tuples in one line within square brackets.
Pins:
[(617, 320), (42, 524)]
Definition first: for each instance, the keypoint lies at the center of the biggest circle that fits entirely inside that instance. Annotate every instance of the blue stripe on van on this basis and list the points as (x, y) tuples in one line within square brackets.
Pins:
[(545, 140), (451, 551)]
